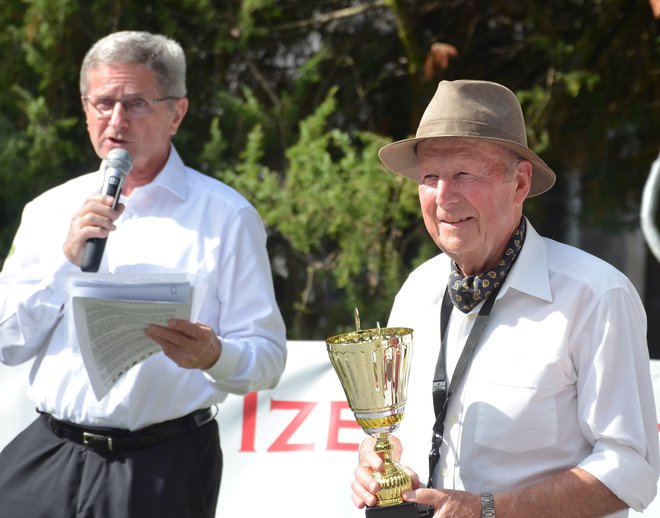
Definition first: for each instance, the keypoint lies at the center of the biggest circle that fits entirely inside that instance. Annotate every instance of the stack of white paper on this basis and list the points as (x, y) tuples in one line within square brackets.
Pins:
[(110, 314)]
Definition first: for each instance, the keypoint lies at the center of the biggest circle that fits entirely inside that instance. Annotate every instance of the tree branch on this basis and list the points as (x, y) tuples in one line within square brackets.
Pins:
[(321, 19)]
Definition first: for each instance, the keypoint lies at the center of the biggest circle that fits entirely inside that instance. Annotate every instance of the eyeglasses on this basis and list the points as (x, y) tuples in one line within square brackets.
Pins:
[(134, 106)]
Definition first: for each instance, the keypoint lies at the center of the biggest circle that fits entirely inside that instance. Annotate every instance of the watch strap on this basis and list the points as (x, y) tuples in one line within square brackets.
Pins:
[(487, 505)]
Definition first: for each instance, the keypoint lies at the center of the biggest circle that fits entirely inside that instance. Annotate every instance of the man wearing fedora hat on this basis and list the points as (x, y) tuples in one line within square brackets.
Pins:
[(530, 368)]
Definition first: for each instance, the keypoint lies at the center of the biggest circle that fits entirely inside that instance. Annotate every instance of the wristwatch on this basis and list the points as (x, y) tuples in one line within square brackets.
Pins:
[(487, 505)]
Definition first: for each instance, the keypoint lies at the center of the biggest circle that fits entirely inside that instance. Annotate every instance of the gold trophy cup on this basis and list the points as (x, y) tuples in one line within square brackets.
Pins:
[(373, 367)]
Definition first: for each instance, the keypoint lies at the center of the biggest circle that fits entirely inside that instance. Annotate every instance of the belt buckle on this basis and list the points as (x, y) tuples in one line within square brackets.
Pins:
[(90, 438)]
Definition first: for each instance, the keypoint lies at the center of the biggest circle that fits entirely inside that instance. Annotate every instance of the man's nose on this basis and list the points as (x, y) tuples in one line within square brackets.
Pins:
[(119, 115), (445, 192)]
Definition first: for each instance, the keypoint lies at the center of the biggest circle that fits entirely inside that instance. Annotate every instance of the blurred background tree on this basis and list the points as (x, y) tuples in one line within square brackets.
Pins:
[(290, 101)]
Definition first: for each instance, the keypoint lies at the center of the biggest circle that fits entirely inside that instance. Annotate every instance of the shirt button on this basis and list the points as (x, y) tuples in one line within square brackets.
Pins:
[(445, 472), (453, 419)]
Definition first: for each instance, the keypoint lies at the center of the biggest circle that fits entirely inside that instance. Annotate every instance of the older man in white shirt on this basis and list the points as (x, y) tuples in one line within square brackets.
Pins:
[(550, 410), (150, 447)]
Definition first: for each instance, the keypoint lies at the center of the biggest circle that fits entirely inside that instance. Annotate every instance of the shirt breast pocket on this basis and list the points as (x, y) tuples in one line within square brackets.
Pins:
[(519, 413)]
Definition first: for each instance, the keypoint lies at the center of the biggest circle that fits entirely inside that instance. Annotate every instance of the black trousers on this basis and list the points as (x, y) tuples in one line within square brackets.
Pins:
[(45, 476)]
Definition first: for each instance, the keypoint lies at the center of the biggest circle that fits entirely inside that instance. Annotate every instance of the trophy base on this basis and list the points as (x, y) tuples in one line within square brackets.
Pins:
[(405, 510)]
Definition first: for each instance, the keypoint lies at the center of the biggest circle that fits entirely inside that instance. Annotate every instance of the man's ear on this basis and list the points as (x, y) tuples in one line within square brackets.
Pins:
[(180, 110)]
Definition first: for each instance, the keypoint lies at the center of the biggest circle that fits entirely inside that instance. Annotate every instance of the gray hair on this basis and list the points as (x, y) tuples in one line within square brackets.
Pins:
[(162, 55)]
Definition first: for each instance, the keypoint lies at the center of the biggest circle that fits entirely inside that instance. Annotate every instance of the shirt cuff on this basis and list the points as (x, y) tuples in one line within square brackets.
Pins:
[(227, 362), (624, 471)]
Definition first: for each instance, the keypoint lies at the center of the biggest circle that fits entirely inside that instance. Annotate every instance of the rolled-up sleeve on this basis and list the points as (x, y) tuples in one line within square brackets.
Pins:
[(615, 399)]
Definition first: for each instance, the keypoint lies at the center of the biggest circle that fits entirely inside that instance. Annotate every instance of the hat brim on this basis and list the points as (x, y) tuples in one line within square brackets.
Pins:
[(401, 158)]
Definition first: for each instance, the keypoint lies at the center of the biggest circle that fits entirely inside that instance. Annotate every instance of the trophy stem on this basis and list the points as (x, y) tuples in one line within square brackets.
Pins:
[(394, 481)]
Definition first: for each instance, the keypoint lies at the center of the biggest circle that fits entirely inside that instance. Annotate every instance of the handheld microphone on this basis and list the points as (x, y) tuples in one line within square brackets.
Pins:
[(117, 165)]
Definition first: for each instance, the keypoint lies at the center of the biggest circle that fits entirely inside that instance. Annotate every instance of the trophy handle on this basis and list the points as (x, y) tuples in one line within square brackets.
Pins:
[(394, 481)]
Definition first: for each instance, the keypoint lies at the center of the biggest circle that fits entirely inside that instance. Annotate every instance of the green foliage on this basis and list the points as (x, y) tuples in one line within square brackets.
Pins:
[(290, 101), (336, 208), (247, 25)]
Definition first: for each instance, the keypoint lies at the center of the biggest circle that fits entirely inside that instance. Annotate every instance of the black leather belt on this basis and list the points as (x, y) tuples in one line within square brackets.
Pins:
[(112, 440)]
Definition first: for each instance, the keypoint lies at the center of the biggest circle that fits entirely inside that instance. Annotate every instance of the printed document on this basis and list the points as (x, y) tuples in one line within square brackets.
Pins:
[(110, 314)]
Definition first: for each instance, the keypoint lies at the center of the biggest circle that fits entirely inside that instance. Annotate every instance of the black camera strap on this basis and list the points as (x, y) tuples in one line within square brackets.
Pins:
[(441, 395)]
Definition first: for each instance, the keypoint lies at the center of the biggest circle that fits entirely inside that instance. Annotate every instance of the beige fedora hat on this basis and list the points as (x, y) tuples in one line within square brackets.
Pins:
[(473, 109)]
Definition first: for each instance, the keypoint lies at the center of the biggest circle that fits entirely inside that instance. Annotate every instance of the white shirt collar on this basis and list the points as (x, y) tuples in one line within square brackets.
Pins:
[(172, 177), (529, 274)]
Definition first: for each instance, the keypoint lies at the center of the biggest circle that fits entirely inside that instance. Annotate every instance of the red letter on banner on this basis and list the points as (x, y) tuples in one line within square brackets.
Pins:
[(336, 423), (304, 409), (249, 422)]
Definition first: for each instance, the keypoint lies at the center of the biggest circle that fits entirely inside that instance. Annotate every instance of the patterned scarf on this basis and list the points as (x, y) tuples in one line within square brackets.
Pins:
[(468, 292)]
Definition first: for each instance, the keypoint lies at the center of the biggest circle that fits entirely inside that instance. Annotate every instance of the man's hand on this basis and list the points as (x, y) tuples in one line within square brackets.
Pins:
[(455, 504), (189, 345), (365, 487), (447, 503), (94, 219)]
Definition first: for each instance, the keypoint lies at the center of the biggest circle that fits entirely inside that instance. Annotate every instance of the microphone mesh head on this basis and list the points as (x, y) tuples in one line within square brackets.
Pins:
[(120, 159)]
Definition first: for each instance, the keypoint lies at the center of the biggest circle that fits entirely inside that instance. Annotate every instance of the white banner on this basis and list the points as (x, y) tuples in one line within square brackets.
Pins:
[(291, 450)]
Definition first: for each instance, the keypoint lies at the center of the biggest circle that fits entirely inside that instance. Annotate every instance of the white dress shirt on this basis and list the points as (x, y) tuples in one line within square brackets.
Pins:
[(181, 222), (560, 378)]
